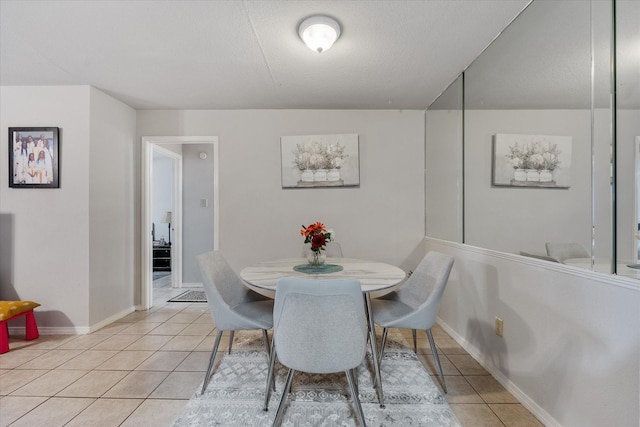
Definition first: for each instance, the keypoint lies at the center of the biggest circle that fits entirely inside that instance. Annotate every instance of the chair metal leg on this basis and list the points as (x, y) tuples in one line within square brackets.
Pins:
[(415, 342), (382, 344), (277, 421), (354, 375), (230, 340), (355, 397), (270, 377), (374, 350), (432, 343), (216, 343), (265, 338)]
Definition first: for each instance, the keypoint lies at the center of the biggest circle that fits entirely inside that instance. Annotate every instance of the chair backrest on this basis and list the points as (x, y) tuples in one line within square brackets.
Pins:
[(563, 251), (332, 249), (223, 287), (319, 325), (423, 290)]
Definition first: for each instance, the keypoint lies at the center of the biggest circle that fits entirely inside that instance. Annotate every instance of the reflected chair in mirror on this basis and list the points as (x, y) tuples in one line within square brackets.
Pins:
[(233, 306), (319, 328), (415, 304), (538, 256), (563, 251)]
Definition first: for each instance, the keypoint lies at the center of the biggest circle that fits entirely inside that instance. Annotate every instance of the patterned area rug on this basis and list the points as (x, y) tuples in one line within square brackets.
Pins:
[(235, 395), (190, 296)]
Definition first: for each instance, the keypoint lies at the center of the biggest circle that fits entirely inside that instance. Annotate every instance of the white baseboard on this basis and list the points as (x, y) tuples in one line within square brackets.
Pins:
[(53, 330), (73, 330), (111, 319)]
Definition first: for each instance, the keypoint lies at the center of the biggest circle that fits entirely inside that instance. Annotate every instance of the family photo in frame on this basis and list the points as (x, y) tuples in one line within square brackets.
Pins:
[(33, 157)]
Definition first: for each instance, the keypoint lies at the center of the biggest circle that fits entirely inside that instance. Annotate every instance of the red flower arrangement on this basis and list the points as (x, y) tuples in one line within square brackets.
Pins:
[(317, 235)]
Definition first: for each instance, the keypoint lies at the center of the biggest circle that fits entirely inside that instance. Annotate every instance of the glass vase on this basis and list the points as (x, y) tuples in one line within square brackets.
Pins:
[(315, 258)]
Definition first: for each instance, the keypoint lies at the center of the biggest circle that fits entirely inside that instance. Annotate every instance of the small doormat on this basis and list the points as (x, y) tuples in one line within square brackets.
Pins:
[(190, 296)]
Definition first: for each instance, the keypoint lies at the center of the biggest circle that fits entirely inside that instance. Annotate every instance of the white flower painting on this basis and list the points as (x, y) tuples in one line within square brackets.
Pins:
[(539, 161), (312, 161)]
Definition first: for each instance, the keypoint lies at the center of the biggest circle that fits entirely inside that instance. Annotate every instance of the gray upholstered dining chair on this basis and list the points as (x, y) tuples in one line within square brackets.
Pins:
[(563, 251), (233, 306), (319, 327), (415, 304)]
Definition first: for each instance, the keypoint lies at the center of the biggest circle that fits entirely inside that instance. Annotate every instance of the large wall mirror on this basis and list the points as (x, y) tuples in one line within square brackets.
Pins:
[(543, 172)]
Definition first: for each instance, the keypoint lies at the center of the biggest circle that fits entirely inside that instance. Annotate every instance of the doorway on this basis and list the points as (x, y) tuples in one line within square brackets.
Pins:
[(166, 211), (186, 152)]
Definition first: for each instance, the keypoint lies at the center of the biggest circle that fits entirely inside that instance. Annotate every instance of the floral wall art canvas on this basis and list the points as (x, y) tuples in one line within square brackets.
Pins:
[(534, 161), (312, 161)]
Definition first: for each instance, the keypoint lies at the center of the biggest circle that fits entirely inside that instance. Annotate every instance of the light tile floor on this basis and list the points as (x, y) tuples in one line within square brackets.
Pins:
[(142, 370)]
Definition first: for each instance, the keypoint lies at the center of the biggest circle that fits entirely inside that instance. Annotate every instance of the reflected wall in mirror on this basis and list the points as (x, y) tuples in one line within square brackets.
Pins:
[(636, 246), (443, 165), (550, 73), (627, 129)]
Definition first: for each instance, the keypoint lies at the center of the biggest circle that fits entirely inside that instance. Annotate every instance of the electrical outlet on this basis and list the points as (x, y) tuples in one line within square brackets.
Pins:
[(499, 326)]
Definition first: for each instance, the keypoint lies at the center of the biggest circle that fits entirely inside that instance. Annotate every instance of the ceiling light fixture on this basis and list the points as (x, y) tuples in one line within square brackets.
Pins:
[(319, 32)]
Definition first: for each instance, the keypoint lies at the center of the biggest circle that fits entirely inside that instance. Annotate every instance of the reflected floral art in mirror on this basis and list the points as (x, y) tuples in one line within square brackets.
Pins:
[(536, 161)]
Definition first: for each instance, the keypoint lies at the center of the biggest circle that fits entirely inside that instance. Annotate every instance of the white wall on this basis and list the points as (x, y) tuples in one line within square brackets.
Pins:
[(69, 248), (571, 345), (112, 130), (383, 219), (48, 238), (197, 221)]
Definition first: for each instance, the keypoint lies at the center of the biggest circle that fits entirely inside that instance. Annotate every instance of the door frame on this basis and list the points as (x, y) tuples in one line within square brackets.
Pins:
[(146, 255)]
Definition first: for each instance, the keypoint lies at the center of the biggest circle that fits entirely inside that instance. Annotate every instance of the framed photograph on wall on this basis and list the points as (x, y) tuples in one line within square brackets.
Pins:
[(33, 157), (531, 161), (315, 161)]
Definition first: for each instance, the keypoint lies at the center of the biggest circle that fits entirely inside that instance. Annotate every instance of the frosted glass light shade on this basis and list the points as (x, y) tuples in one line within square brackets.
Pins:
[(319, 32)]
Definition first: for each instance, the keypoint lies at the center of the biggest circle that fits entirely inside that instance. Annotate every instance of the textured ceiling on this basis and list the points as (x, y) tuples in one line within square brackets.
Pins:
[(247, 54)]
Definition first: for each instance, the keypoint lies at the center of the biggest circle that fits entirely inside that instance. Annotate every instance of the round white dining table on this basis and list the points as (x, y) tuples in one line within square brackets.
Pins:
[(376, 279)]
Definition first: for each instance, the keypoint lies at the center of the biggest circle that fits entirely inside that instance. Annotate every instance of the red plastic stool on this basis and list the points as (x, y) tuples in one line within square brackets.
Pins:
[(17, 309)]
